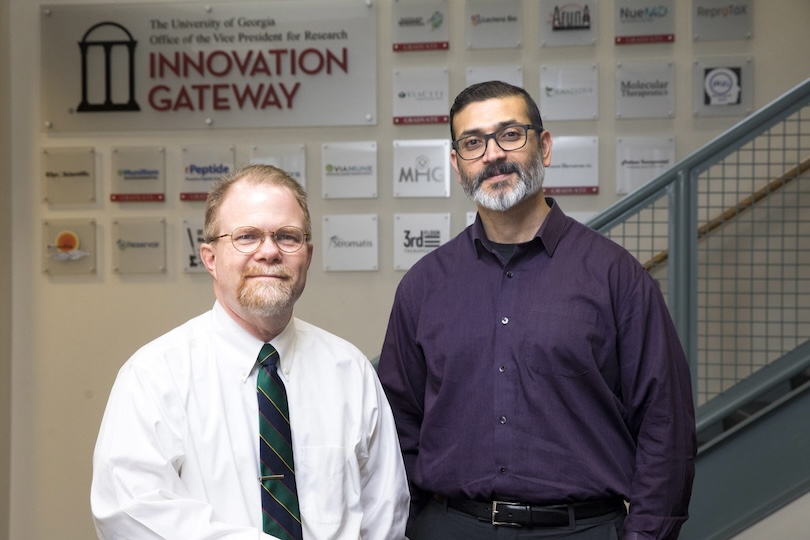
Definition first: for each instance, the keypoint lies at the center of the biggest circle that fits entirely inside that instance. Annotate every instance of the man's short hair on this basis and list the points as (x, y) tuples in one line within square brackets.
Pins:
[(256, 174), (492, 90)]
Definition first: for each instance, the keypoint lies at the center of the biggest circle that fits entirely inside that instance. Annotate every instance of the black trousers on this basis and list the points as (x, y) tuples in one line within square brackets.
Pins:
[(437, 522)]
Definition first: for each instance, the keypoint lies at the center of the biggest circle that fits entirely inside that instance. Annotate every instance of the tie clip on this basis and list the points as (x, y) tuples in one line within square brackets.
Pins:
[(271, 477)]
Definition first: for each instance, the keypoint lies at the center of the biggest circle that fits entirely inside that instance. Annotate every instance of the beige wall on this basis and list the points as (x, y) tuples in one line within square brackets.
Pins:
[(70, 335), (5, 272)]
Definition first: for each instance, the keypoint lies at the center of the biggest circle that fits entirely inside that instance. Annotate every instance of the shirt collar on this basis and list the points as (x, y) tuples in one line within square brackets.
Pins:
[(285, 345), (247, 346), (548, 235)]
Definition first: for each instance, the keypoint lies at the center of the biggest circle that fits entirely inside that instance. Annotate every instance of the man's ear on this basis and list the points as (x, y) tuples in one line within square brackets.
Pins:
[(310, 250), (454, 163), (209, 258), (545, 148)]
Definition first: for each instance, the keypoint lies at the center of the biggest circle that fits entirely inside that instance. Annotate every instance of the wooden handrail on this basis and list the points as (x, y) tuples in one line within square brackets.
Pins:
[(748, 202)]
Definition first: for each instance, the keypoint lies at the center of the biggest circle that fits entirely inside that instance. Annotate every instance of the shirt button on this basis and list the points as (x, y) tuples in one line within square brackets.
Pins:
[(509, 274), (502, 369), (502, 420), (505, 320), (503, 470)]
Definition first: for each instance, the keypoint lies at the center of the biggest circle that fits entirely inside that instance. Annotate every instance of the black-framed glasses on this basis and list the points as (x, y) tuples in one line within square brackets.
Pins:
[(508, 138), (288, 239)]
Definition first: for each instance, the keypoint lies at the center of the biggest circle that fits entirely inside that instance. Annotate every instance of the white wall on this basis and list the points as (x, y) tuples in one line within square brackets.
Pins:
[(70, 335)]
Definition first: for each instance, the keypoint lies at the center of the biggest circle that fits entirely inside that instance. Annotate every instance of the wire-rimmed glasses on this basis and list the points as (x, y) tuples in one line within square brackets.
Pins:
[(288, 239), (509, 138)]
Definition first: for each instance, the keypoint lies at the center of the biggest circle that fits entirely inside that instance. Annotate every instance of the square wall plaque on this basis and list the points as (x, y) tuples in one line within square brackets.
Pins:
[(415, 235), (139, 245), (138, 174), (192, 237), (69, 175), (290, 158), (723, 86), (349, 170), (69, 246), (350, 242)]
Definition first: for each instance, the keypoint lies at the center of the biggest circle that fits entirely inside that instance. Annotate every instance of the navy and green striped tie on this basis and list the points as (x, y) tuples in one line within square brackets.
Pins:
[(280, 514)]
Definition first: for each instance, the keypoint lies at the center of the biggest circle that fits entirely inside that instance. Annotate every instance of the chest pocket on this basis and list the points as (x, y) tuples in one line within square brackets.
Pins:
[(561, 343), (324, 469)]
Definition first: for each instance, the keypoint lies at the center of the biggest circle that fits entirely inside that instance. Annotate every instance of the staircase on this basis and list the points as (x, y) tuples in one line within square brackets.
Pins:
[(726, 233)]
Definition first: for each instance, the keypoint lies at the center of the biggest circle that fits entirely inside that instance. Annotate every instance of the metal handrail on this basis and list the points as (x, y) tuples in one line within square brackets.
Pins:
[(745, 204), (679, 185), (714, 151), (753, 387)]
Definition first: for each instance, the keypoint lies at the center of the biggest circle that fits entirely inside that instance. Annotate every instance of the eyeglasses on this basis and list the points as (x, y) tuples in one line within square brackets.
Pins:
[(288, 239), (509, 138)]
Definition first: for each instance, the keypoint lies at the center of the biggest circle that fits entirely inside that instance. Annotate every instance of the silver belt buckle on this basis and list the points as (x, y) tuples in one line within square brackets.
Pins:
[(495, 514)]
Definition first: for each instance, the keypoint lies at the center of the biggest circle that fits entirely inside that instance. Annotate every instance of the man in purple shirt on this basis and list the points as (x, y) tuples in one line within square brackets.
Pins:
[(534, 371)]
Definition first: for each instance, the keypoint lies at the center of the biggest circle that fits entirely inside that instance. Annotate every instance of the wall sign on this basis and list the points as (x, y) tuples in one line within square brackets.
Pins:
[(644, 21), (421, 95), (69, 175), (291, 158), (203, 165), (138, 174), (645, 89), (567, 24), (192, 239), (115, 67), (574, 168), (640, 159), (349, 170), (139, 245), (723, 86), (422, 168), (494, 25), (420, 25), (512, 74), (69, 246), (721, 20), (569, 91), (350, 242), (415, 235)]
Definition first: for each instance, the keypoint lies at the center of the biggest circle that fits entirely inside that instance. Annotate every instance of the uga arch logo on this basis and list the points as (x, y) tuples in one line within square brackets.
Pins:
[(101, 48)]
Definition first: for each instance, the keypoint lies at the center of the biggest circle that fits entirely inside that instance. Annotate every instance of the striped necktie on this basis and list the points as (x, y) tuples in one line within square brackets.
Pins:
[(280, 514)]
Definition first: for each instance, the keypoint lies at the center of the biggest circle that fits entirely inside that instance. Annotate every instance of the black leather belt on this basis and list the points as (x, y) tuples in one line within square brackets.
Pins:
[(517, 514)]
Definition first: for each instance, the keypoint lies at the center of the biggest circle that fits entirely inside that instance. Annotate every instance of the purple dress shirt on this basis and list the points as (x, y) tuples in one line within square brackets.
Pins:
[(554, 377)]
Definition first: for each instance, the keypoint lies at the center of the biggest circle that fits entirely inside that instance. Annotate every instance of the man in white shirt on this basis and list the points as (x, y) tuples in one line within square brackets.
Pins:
[(177, 455)]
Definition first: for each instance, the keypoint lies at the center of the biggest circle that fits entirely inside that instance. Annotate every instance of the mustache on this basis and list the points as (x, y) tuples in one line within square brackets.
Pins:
[(495, 169), (268, 270)]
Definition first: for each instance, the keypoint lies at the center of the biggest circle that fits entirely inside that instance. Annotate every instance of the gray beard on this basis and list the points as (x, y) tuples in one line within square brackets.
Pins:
[(530, 181)]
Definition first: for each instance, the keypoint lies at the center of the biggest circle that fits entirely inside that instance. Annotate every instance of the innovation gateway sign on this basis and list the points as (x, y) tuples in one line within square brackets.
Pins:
[(175, 66)]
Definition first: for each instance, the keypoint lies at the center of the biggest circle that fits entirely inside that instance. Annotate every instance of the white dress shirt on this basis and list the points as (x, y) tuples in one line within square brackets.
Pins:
[(177, 453)]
